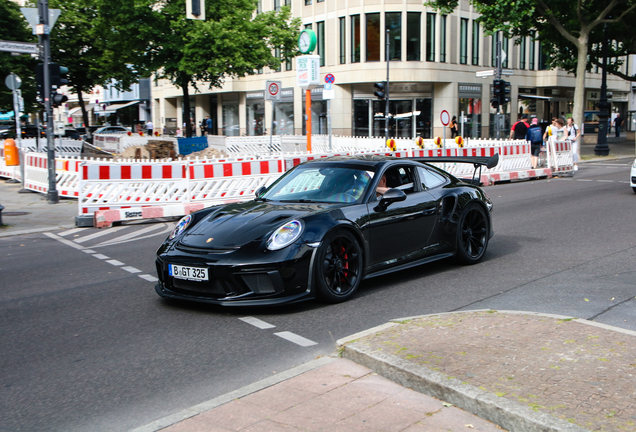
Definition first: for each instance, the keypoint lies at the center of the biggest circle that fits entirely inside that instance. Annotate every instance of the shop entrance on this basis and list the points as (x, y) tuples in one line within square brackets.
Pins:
[(407, 118)]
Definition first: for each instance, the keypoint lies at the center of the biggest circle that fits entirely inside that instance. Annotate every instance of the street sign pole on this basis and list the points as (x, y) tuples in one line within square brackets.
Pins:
[(43, 10)]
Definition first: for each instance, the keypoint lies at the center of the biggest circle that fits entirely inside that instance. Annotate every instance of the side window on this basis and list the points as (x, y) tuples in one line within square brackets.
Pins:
[(429, 178), (401, 178)]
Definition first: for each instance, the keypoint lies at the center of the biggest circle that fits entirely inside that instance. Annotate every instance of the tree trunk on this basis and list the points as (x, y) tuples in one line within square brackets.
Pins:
[(579, 89), (82, 105), (186, 105)]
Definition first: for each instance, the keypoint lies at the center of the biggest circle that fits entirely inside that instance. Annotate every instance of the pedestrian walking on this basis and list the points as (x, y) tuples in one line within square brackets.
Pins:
[(618, 122), (208, 125), (453, 127), (573, 134), (536, 141), (519, 129), (149, 128)]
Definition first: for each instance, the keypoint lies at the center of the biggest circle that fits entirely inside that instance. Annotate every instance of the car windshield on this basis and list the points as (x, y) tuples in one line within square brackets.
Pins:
[(328, 184)]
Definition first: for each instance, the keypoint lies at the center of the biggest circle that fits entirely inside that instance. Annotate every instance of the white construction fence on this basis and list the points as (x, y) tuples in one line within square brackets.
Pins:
[(108, 191)]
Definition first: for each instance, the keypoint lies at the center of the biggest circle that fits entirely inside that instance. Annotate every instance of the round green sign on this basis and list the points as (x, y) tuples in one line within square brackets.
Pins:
[(307, 41)]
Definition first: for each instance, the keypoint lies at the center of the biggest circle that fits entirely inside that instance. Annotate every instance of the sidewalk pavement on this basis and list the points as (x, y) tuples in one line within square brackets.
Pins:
[(473, 370), (618, 148), (29, 212)]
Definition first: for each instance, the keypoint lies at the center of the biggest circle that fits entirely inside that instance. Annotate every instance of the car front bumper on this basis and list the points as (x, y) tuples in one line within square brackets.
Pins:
[(241, 277)]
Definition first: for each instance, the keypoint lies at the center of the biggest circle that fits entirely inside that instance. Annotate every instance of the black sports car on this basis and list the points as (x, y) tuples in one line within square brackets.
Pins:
[(322, 228)]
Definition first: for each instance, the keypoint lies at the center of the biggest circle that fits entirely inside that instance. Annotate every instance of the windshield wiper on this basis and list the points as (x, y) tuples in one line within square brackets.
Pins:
[(261, 199)]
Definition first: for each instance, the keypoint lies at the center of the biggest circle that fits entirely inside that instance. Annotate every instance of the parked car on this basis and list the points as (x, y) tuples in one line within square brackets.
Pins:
[(321, 228), (632, 177), (28, 131), (111, 129), (71, 133)]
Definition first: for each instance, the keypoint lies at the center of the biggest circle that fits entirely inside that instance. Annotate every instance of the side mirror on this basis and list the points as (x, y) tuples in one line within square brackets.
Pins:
[(259, 191), (391, 196)]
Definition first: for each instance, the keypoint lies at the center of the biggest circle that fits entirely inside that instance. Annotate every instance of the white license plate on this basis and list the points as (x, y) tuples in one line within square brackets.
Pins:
[(188, 273)]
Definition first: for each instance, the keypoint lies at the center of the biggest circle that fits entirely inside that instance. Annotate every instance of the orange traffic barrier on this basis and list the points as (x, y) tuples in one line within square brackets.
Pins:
[(11, 155)]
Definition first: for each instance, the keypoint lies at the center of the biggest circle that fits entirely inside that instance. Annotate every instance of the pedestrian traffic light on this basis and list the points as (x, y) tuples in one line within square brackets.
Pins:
[(381, 92), (501, 91), (506, 92), (494, 103), (58, 75), (58, 99)]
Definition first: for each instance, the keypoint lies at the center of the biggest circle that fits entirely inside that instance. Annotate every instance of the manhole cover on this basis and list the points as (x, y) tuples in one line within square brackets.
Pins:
[(14, 213)]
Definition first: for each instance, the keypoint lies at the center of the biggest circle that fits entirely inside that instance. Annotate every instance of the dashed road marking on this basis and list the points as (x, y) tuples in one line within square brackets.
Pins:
[(136, 235), (298, 340), (148, 277), (131, 269), (100, 256), (605, 181), (88, 251), (257, 322), (115, 262)]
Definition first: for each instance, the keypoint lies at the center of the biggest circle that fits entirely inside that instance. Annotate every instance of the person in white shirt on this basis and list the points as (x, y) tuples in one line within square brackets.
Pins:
[(149, 127), (573, 133)]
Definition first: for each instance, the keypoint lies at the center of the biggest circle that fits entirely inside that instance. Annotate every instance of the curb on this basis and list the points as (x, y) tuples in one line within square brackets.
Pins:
[(503, 412), (236, 394)]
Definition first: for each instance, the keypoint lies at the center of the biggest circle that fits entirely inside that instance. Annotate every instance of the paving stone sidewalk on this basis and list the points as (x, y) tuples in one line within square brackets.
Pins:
[(574, 370)]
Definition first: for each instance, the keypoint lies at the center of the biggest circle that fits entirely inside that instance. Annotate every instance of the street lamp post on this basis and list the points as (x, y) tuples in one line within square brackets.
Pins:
[(602, 149)]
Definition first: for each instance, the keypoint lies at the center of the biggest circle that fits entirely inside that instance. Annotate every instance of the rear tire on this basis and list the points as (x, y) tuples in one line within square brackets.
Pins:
[(473, 233), (339, 267)]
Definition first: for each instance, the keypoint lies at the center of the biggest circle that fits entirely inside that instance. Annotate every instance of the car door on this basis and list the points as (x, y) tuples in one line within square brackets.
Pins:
[(401, 232)]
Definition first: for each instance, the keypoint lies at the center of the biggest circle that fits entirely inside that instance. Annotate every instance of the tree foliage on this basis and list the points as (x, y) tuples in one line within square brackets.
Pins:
[(13, 27), (233, 41)]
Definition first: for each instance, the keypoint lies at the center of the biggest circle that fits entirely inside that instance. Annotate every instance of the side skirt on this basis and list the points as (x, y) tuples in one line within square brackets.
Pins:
[(409, 265)]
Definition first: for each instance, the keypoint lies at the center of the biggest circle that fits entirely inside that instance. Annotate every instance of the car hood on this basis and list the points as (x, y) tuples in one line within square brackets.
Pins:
[(235, 225)]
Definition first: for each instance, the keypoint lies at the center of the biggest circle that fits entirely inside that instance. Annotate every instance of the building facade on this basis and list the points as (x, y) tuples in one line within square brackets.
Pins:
[(433, 63)]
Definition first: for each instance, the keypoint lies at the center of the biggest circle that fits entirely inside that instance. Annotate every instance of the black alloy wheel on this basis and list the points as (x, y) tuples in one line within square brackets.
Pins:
[(472, 234), (338, 267)]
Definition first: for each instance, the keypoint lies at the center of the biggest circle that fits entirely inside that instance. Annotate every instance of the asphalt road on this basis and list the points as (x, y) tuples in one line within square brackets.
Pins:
[(86, 344)]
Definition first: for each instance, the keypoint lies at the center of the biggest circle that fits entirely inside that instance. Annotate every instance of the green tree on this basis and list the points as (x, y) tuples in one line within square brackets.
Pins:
[(233, 41), (13, 27), (101, 41), (566, 29)]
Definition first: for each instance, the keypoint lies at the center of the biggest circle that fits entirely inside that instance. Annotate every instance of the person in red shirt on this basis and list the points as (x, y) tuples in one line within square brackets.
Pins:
[(519, 129)]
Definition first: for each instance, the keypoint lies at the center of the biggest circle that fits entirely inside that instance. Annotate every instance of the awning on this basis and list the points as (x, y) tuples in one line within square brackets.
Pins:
[(110, 109), (78, 110), (527, 96)]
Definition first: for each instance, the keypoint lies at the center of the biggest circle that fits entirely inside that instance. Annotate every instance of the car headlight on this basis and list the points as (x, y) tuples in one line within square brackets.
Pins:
[(181, 226), (285, 235)]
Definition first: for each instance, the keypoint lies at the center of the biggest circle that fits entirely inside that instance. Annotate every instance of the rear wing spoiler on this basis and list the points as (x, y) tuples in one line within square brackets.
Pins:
[(477, 161)]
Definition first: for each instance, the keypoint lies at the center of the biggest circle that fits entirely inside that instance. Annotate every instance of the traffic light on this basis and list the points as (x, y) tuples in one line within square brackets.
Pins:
[(494, 103), (39, 80), (58, 99), (381, 92), (58, 75), (501, 91)]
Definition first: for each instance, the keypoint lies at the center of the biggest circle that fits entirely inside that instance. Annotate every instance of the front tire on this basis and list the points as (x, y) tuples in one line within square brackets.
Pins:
[(473, 233), (339, 267), (634, 189)]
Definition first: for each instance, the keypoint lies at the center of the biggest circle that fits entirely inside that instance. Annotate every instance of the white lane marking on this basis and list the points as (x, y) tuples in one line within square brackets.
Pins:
[(63, 240), (298, 340), (148, 277), (132, 236), (100, 256), (131, 269), (257, 322), (100, 233), (115, 262), (605, 181), (88, 251), (584, 180), (71, 231)]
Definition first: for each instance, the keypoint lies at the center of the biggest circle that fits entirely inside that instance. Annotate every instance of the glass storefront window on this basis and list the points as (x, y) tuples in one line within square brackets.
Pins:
[(413, 20), (355, 38), (472, 112), (318, 118), (406, 118), (231, 120), (284, 118), (255, 117), (361, 117)]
